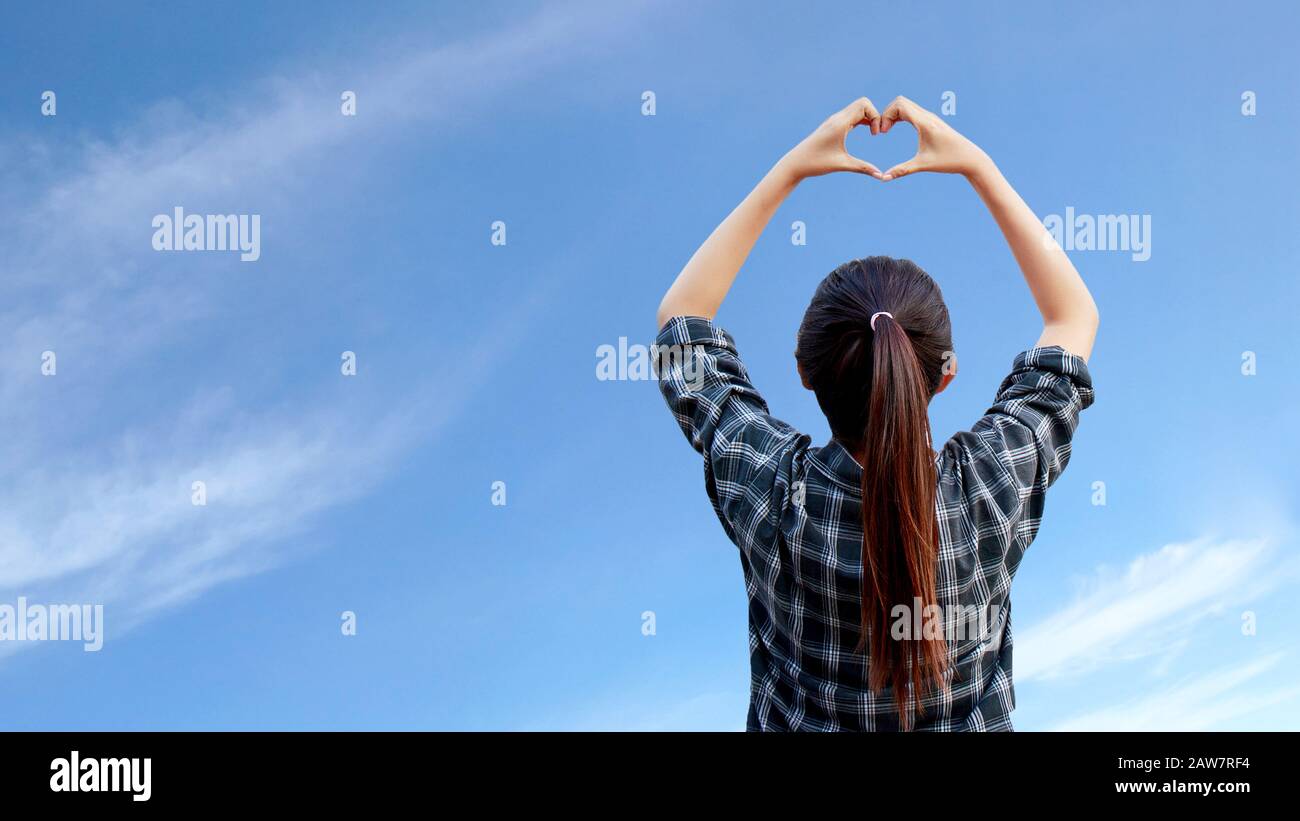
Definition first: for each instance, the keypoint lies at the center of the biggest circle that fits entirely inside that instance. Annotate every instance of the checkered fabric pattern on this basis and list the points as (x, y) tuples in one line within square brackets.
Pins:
[(795, 513)]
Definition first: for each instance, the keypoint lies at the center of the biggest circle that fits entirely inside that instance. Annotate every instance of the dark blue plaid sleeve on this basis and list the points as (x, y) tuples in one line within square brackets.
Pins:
[(1006, 462), (748, 454)]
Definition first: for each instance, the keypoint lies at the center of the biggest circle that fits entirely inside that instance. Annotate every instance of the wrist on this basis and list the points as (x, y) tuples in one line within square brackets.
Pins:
[(784, 173), (982, 173)]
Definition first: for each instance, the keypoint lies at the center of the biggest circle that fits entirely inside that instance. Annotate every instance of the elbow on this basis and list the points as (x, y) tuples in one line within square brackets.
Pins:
[(662, 316), (668, 308), (1090, 317), (1075, 332), (1081, 317), (1094, 316), (674, 307)]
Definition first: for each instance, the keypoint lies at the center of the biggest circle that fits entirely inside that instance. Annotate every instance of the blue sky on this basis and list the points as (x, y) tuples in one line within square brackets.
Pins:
[(476, 363)]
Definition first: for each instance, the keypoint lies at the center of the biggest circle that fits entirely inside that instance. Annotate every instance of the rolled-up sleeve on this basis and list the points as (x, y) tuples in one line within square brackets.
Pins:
[(1035, 414), (748, 454), (1021, 445)]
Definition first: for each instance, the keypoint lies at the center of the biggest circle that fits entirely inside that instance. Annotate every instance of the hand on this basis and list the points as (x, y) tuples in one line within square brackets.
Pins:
[(823, 151), (939, 147)]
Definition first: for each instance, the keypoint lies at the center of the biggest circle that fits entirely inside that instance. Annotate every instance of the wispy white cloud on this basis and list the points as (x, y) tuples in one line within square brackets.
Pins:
[(103, 514), (126, 534), (119, 528), (1201, 702), (79, 268), (1149, 608)]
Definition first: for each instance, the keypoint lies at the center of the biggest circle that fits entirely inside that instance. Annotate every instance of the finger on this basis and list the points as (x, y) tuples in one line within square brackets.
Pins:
[(863, 167), (860, 109), (902, 170), (862, 112), (869, 116), (900, 109)]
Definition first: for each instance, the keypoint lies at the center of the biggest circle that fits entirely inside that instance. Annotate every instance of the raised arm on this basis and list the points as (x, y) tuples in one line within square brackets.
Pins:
[(702, 285), (1069, 313)]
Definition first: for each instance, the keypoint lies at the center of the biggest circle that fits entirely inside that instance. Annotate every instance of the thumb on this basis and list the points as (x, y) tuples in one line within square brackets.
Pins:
[(902, 169), (863, 167)]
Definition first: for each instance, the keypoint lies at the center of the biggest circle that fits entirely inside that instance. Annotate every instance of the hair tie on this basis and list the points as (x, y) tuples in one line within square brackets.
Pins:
[(876, 314)]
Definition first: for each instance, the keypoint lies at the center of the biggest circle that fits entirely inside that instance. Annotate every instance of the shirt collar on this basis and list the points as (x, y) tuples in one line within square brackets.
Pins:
[(836, 463)]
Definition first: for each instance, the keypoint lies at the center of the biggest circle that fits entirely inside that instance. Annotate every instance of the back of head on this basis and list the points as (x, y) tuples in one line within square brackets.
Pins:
[(875, 385)]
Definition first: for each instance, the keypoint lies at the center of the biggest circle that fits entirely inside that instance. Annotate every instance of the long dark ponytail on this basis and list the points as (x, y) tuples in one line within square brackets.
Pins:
[(874, 385)]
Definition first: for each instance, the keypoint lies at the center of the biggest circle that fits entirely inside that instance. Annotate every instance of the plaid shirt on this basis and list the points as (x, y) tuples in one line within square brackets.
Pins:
[(795, 513)]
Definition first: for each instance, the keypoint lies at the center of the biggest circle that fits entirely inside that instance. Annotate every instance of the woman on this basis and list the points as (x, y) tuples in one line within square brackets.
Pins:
[(878, 572)]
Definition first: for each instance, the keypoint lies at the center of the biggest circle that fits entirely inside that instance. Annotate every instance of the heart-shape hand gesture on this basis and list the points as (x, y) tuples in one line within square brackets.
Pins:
[(823, 151), (939, 147)]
